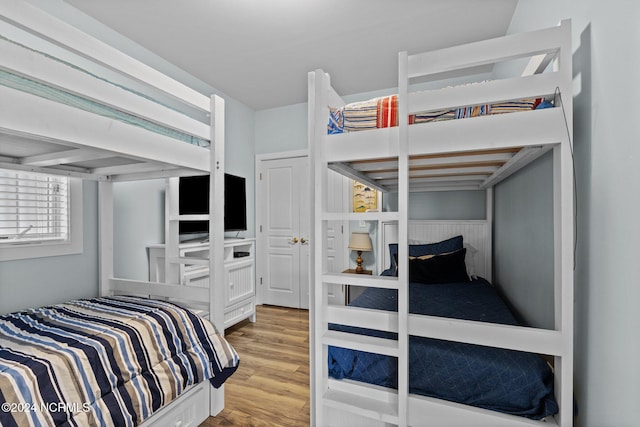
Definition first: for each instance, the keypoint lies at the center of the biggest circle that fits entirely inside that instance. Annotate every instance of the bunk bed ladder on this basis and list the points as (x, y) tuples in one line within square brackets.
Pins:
[(378, 404)]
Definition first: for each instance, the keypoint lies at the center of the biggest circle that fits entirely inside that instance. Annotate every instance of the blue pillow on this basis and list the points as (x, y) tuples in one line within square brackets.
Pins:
[(544, 104), (336, 121), (445, 246), (444, 268)]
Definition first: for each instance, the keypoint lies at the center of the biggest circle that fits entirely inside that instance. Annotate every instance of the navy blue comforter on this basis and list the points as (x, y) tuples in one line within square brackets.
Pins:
[(503, 380)]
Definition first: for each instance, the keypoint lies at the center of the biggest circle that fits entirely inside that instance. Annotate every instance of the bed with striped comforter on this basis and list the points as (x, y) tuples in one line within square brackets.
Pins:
[(104, 361)]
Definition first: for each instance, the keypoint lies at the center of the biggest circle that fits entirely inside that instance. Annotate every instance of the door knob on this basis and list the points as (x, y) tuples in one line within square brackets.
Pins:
[(294, 240), (303, 240)]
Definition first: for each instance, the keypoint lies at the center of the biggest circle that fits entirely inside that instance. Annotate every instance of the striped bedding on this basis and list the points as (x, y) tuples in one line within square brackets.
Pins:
[(104, 361), (382, 112)]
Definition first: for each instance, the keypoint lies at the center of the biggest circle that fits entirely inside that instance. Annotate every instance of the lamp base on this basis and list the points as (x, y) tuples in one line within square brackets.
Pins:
[(359, 260)]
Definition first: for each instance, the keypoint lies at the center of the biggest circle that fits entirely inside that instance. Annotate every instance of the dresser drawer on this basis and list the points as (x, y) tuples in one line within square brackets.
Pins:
[(239, 312)]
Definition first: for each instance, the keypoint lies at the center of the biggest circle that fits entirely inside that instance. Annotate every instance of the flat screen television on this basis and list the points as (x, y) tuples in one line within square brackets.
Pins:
[(194, 200)]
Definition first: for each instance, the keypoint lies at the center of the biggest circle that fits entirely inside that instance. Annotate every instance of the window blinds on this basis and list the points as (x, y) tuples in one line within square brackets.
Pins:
[(33, 207)]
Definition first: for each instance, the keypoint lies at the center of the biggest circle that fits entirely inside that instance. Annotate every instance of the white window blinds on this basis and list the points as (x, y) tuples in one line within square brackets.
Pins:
[(33, 207)]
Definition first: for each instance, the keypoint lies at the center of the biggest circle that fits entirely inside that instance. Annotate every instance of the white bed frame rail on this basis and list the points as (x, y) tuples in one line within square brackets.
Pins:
[(350, 403), (37, 22), (87, 136)]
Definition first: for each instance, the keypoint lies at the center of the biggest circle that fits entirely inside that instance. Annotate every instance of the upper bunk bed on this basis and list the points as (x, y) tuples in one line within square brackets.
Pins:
[(437, 136), (74, 106), (446, 153)]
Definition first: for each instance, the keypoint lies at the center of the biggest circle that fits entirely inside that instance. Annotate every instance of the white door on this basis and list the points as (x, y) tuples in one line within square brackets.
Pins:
[(284, 232), (284, 226)]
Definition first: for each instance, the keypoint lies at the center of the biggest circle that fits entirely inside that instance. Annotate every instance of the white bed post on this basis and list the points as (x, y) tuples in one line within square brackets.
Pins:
[(105, 220), (403, 240), (489, 240), (563, 187), (171, 231), (318, 354), (216, 214), (216, 232)]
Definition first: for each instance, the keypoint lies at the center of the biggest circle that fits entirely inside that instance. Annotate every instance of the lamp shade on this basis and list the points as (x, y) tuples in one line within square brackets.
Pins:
[(360, 242)]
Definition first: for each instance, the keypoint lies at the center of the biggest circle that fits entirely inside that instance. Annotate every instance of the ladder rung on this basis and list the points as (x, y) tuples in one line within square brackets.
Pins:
[(361, 405), (387, 282), (360, 317), (361, 342)]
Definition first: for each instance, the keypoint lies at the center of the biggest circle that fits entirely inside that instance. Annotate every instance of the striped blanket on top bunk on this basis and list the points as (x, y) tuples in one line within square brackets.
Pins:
[(104, 361), (382, 112)]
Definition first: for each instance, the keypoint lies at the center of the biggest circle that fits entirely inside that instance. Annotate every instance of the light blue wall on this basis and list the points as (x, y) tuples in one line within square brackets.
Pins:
[(606, 63), (523, 242), (138, 217), (50, 280), (453, 205), (281, 129)]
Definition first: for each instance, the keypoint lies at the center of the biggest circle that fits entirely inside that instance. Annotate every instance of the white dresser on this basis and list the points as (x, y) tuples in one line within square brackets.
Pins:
[(239, 274)]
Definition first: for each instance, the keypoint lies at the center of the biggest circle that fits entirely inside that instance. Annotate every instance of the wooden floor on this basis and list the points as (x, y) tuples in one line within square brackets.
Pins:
[(271, 385)]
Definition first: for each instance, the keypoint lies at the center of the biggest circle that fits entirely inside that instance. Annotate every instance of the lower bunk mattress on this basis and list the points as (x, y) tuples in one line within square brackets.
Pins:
[(507, 381), (104, 361)]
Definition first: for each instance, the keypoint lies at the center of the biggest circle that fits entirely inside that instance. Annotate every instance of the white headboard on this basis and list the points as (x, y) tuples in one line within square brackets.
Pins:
[(476, 233)]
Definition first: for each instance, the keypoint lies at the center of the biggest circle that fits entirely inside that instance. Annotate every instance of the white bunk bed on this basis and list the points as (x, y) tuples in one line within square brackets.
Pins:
[(472, 153), (58, 117)]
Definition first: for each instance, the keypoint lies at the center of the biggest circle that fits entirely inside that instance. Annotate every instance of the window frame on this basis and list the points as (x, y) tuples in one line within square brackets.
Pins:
[(40, 249)]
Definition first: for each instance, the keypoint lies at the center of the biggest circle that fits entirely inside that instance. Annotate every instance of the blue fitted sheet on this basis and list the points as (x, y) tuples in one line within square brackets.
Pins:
[(503, 380)]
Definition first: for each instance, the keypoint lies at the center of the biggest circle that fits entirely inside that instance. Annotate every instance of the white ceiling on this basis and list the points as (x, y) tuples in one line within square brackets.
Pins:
[(259, 51)]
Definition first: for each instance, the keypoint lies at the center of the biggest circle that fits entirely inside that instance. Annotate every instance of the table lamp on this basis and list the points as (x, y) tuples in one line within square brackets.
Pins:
[(360, 242)]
